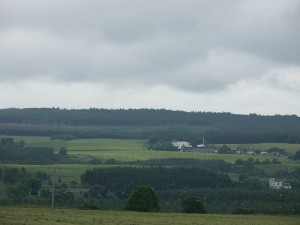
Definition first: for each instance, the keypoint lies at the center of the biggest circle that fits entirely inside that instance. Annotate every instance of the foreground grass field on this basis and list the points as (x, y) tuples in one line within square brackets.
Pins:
[(38, 216)]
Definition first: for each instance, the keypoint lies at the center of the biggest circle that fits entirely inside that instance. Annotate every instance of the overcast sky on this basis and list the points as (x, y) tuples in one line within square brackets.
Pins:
[(239, 56)]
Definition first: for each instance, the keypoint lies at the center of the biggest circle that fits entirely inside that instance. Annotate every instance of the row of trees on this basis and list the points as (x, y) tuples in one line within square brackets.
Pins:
[(134, 117), (17, 183), (208, 173), (119, 117), (144, 199), (146, 123), (18, 186), (125, 179), (227, 200), (17, 152)]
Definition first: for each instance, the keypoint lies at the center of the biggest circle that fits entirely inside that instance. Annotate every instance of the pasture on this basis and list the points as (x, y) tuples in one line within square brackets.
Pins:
[(124, 150), (37, 216), (132, 150)]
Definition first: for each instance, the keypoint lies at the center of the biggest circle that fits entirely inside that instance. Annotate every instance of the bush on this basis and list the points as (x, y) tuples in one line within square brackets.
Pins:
[(143, 199), (193, 205)]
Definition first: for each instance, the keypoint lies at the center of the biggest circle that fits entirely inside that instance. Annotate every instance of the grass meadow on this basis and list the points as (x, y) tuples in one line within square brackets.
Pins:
[(37, 216), (133, 150)]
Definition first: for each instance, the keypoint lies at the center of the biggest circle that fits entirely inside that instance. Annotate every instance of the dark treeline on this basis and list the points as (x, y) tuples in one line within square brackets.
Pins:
[(228, 200), (17, 152), (148, 123), (18, 183), (123, 180), (213, 164), (218, 193), (110, 188), (18, 186), (135, 117)]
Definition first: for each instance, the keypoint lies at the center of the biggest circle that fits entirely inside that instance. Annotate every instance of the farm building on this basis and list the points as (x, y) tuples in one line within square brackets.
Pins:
[(278, 185), (181, 144)]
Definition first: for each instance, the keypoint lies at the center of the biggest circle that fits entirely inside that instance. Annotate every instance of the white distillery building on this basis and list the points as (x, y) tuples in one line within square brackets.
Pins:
[(278, 185), (201, 145), (181, 144)]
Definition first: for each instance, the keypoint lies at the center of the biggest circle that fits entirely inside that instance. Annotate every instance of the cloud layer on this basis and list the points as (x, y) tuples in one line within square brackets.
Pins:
[(246, 51)]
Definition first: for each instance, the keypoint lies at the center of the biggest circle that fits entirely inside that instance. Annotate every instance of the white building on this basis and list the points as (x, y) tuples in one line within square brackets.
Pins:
[(201, 145), (181, 144), (278, 185), (251, 152)]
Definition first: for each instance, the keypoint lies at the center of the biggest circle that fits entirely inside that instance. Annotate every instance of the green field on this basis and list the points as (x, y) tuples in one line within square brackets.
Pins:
[(38, 216), (133, 150)]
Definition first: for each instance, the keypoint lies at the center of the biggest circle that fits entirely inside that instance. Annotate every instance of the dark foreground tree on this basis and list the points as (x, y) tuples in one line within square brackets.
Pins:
[(143, 199), (193, 205)]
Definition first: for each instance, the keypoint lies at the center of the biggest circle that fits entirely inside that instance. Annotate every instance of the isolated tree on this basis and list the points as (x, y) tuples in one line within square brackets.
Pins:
[(193, 205), (143, 199)]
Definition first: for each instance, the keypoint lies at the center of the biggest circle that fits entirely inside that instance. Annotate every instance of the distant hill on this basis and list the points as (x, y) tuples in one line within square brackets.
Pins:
[(133, 117), (217, 127)]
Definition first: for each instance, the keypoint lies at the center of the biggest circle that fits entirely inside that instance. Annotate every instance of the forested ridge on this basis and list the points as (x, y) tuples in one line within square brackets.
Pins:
[(146, 123), (135, 117)]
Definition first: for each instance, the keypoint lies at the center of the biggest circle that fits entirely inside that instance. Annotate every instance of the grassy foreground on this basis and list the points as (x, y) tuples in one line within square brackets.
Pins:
[(37, 216)]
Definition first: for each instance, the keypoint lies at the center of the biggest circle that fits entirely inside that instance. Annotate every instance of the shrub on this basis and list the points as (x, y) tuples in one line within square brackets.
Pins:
[(193, 205), (143, 199)]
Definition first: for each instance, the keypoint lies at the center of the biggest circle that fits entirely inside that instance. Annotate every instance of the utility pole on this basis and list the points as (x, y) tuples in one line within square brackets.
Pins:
[(2, 178), (54, 180)]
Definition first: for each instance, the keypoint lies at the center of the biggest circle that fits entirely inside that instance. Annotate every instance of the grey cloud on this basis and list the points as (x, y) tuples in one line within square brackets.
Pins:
[(268, 29), (191, 45)]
